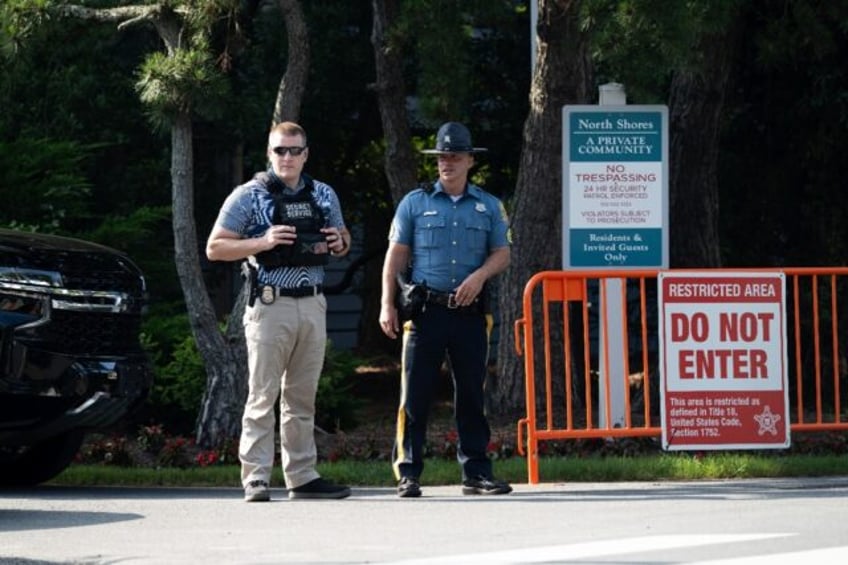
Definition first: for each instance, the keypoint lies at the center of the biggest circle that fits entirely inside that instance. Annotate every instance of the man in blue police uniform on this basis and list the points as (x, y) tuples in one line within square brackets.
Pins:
[(448, 238), (285, 224)]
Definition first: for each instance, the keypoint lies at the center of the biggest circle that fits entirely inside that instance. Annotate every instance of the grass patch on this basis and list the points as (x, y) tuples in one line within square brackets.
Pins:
[(663, 467), (687, 467)]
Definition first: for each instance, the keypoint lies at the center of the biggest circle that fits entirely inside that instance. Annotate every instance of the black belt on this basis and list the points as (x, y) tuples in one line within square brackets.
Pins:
[(448, 300), (268, 293)]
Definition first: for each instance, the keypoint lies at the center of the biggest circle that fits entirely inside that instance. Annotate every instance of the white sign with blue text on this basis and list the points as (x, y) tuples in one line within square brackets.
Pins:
[(615, 187)]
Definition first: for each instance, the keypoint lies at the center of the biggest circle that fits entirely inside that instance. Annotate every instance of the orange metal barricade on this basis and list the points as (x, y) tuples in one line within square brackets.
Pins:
[(563, 318)]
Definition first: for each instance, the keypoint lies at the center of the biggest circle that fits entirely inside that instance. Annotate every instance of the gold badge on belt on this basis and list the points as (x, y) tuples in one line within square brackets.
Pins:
[(267, 294)]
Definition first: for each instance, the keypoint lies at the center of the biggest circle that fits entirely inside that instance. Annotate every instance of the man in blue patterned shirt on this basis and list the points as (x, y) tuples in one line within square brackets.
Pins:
[(449, 238), (285, 224)]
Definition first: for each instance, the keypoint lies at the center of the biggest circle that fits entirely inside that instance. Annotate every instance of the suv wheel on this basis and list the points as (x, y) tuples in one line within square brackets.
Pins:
[(39, 462)]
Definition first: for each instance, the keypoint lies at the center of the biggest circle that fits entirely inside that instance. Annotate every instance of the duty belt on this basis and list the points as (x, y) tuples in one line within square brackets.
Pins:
[(268, 293), (448, 300)]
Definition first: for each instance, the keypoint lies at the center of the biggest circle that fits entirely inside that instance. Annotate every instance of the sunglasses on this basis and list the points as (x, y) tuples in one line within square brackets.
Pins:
[(293, 151)]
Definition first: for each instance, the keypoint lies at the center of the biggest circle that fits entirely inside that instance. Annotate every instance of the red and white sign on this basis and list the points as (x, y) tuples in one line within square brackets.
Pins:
[(723, 360)]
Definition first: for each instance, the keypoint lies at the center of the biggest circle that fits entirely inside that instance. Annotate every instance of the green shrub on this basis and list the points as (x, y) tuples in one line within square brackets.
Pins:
[(179, 374), (180, 379), (335, 405), (183, 380)]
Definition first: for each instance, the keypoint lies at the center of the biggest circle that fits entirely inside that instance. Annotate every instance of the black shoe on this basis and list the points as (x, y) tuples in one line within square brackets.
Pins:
[(408, 487), (485, 485), (319, 488)]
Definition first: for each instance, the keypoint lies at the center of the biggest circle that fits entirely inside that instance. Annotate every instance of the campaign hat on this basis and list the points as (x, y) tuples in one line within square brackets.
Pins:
[(453, 137)]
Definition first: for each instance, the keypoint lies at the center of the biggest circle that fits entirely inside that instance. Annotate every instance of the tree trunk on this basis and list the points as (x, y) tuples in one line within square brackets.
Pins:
[(293, 84), (399, 163), (563, 75), (695, 111), (219, 417), (225, 360)]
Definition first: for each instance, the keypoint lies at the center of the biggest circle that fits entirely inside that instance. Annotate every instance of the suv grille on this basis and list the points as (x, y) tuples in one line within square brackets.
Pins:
[(91, 333), (96, 310), (104, 277)]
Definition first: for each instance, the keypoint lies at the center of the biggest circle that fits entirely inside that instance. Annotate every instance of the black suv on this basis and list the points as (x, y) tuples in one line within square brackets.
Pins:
[(70, 356)]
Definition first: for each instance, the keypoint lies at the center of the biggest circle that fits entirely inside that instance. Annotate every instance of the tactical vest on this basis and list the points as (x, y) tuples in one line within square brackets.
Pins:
[(301, 211)]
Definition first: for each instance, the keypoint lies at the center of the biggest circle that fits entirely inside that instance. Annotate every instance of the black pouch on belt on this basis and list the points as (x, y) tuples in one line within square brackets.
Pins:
[(410, 298)]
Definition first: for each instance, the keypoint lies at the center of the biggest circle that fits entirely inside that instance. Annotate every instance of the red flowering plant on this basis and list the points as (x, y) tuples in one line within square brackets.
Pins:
[(446, 446), (450, 441), (207, 458), (151, 438), (501, 447), (373, 446), (175, 453), (110, 450), (225, 454)]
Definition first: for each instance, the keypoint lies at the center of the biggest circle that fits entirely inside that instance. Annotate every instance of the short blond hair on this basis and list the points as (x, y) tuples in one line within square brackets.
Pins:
[(289, 128)]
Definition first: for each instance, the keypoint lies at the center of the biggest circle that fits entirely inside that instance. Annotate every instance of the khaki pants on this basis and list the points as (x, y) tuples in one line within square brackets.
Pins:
[(286, 341)]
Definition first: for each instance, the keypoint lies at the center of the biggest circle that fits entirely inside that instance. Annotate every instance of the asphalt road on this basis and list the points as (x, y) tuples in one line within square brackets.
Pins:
[(716, 522)]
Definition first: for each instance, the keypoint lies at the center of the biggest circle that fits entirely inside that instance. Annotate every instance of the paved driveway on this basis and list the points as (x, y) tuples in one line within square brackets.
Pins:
[(739, 522)]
